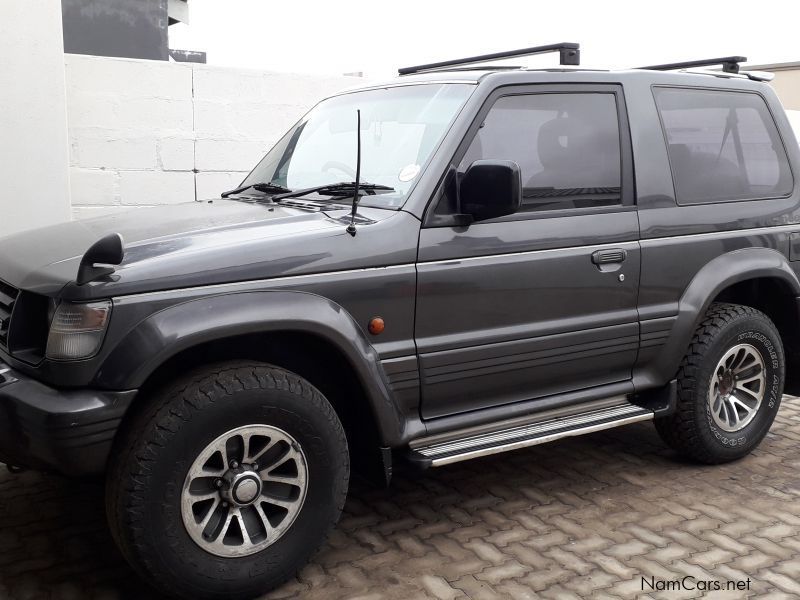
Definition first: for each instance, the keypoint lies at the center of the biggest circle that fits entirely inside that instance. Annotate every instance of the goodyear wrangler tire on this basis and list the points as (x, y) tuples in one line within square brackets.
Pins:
[(225, 483), (729, 386)]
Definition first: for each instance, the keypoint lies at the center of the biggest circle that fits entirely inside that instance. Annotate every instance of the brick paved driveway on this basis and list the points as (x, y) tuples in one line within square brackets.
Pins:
[(584, 517)]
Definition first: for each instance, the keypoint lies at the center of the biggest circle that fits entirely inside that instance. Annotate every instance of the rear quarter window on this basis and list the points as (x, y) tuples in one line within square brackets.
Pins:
[(722, 145)]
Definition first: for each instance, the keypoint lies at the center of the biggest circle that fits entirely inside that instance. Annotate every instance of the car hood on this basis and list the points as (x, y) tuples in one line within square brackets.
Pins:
[(184, 245)]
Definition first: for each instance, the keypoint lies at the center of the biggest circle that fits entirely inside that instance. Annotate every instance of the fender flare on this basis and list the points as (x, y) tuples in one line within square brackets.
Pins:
[(166, 333), (717, 275)]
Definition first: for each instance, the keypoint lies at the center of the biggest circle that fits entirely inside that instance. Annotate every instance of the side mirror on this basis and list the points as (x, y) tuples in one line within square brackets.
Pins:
[(490, 188)]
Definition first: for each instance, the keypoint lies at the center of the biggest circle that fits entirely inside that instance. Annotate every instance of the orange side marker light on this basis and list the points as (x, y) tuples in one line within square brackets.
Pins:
[(376, 325)]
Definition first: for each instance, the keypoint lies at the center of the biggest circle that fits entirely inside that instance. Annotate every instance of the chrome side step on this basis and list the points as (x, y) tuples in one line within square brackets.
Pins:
[(435, 451)]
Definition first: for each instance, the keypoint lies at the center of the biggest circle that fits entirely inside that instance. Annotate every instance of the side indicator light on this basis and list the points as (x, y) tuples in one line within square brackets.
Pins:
[(376, 325)]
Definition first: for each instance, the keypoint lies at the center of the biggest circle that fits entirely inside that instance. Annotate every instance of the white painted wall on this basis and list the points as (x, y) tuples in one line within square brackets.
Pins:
[(34, 183), (144, 133)]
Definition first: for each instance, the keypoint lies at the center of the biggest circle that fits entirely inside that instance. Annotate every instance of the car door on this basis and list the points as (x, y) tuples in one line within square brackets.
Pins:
[(543, 301)]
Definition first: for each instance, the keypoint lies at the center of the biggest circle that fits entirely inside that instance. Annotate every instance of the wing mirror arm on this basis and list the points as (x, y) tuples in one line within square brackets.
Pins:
[(462, 220)]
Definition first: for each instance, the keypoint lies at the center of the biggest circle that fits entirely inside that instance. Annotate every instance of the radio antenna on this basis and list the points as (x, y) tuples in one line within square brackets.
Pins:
[(351, 229)]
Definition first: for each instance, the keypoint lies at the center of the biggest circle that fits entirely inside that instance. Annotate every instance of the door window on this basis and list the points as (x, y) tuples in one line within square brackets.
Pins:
[(566, 144)]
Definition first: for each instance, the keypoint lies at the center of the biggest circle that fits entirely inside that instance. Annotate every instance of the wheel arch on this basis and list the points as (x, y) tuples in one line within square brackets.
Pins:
[(738, 277), (298, 331), (775, 298)]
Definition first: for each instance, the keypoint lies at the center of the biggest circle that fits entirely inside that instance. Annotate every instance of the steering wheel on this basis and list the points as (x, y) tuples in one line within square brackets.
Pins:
[(335, 164)]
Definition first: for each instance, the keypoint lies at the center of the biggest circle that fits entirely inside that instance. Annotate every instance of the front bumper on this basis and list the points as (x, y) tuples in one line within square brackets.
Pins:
[(70, 431)]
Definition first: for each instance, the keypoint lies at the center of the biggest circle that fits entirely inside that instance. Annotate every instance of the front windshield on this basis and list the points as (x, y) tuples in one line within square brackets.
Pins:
[(400, 127)]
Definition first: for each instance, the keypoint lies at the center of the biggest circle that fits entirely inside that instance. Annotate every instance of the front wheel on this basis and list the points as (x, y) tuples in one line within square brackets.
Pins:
[(729, 386), (228, 481)]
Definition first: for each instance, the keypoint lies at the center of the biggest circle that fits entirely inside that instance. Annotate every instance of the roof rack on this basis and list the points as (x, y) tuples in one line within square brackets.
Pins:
[(570, 55), (730, 64)]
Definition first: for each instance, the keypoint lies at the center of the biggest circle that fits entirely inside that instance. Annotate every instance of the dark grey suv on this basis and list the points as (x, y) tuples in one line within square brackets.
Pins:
[(459, 262)]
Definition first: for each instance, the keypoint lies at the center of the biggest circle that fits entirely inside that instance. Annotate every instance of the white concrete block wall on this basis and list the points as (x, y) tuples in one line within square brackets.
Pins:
[(143, 133)]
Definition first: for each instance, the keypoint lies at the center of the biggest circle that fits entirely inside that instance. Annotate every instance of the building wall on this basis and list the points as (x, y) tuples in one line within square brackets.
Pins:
[(144, 133), (786, 82), (130, 28), (787, 86), (794, 119), (33, 121)]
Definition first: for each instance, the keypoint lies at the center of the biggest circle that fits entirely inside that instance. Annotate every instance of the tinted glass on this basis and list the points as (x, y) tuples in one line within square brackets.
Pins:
[(722, 146), (567, 147)]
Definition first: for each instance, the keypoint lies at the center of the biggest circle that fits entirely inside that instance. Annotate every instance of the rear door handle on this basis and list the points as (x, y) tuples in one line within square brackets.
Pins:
[(607, 257)]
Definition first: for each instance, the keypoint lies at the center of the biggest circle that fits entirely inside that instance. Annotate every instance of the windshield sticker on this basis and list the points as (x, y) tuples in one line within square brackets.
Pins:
[(408, 172)]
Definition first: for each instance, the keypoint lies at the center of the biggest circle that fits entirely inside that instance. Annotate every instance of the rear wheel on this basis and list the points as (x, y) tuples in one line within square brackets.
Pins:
[(228, 481), (729, 386)]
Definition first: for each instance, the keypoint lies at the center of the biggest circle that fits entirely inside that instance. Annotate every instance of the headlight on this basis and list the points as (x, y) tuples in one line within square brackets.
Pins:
[(77, 330)]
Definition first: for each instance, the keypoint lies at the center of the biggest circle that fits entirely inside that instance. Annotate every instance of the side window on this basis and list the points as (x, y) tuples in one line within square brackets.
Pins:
[(723, 145), (566, 144)]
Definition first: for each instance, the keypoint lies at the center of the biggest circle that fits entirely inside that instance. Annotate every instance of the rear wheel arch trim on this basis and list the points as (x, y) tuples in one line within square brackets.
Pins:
[(169, 332), (731, 268), (715, 277)]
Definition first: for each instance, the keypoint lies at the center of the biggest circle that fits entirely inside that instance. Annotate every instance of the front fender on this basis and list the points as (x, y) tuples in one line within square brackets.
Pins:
[(717, 275), (170, 331)]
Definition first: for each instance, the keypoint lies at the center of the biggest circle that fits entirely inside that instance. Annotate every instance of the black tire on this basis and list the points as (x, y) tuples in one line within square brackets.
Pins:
[(691, 429), (154, 452)]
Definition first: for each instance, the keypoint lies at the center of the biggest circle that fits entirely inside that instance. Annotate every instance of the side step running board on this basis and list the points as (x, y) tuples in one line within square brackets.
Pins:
[(437, 452)]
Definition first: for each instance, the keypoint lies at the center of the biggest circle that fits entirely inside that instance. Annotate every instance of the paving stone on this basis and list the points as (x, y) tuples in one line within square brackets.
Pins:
[(510, 570), (727, 543), (474, 588), (783, 583), (712, 558), (439, 587), (753, 561)]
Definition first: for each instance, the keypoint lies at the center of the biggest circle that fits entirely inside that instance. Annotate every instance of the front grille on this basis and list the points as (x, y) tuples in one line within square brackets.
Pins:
[(8, 296)]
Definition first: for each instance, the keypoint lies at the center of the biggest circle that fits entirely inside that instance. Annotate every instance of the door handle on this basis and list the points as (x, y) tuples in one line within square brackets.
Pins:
[(607, 257)]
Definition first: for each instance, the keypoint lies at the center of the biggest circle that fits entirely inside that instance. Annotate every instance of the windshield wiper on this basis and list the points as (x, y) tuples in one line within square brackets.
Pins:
[(267, 188), (343, 189)]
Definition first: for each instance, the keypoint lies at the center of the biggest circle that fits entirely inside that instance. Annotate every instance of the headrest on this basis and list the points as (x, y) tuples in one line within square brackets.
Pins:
[(680, 153), (562, 141)]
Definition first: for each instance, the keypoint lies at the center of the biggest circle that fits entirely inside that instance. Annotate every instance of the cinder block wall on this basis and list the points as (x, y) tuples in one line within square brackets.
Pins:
[(143, 133)]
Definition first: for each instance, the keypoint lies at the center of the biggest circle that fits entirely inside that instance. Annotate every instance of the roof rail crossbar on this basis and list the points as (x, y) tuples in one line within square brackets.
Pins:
[(730, 64), (570, 55)]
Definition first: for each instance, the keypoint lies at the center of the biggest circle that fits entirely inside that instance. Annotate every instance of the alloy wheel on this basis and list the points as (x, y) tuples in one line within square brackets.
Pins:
[(244, 490), (737, 388)]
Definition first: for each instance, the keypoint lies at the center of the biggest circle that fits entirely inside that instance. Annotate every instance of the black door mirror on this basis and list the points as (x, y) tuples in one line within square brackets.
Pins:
[(490, 188)]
